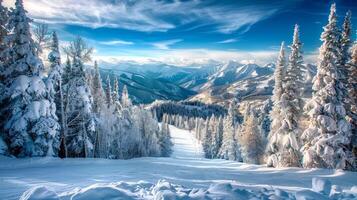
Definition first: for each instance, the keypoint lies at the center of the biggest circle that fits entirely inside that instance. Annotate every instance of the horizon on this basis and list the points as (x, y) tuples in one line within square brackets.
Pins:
[(188, 33)]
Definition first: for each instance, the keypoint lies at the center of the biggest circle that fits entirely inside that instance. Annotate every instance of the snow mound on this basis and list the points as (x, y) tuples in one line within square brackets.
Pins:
[(164, 190)]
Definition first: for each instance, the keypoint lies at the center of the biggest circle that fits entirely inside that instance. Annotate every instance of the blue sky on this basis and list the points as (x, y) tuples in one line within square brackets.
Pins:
[(187, 32)]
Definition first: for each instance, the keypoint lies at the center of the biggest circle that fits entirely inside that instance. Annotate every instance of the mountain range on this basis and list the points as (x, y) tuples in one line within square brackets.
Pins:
[(213, 83)]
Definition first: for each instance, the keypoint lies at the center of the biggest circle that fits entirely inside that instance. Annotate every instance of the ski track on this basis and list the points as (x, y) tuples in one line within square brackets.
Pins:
[(186, 167)]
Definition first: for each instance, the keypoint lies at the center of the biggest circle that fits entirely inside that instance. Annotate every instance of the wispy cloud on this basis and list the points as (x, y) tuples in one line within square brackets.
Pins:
[(116, 42), (151, 15), (228, 41), (164, 45)]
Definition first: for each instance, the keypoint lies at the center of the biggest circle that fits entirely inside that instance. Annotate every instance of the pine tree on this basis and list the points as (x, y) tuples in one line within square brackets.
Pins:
[(125, 99), (115, 94), (265, 120), (230, 147), (352, 107), (207, 139), (275, 148), (276, 114), (291, 107), (97, 90), (67, 72), (80, 118), (329, 133), (31, 127), (4, 17), (54, 86), (344, 56), (108, 93), (218, 136)]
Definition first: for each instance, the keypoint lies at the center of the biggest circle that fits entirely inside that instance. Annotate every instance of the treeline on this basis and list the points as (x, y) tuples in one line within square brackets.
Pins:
[(231, 136), (190, 109), (66, 113)]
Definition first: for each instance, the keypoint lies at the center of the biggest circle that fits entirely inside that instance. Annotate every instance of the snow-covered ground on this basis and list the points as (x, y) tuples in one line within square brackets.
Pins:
[(185, 175)]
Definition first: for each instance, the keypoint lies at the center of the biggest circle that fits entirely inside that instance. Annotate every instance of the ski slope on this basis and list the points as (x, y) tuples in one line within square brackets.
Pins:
[(184, 175)]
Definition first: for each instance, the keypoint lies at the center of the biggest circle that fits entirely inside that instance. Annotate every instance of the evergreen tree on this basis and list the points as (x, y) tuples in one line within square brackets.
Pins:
[(273, 150), (230, 147), (31, 127), (276, 114), (115, 94), (80, 119), (352, 107), (67, 71), (218, 137), (97, 90), (54, 86), (344, 56), (165, 140), (291, 107), (264, 120), (329, 133), (4, 17), (207, 139), (125, 99), (108, 93)]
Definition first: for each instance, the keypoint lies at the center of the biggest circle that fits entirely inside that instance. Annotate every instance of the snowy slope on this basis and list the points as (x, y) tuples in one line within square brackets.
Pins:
[(247, 82), (175, 177)]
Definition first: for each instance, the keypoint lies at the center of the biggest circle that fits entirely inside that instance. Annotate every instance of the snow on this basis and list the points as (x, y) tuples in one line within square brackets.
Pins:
[(184, 175), (321, 185)]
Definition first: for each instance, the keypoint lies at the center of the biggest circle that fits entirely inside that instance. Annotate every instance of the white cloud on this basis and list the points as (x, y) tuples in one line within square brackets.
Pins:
[(116, 42), (189, 57), (228, 41), (150, 15), (164, 45)]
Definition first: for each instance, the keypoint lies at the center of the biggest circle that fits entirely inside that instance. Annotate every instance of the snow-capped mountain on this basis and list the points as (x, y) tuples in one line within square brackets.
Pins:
[(213, 83), (157, 81), (244, 81), (237, 80), (146, 89)]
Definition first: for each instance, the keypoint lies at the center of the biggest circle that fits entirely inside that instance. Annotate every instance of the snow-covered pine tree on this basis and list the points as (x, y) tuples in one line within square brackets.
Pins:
[(31, 125), (108, 93), (125, 99), (4, 17), (67, 71), (275, 114), (352, 108), (165, 140), (54, 86), (207, 139), (329, 133), (273, 146), (344, 56), (291, 107), (80, 118), (264, 119), (115, 95), (218, 136), (97, 90), (230, 146)]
